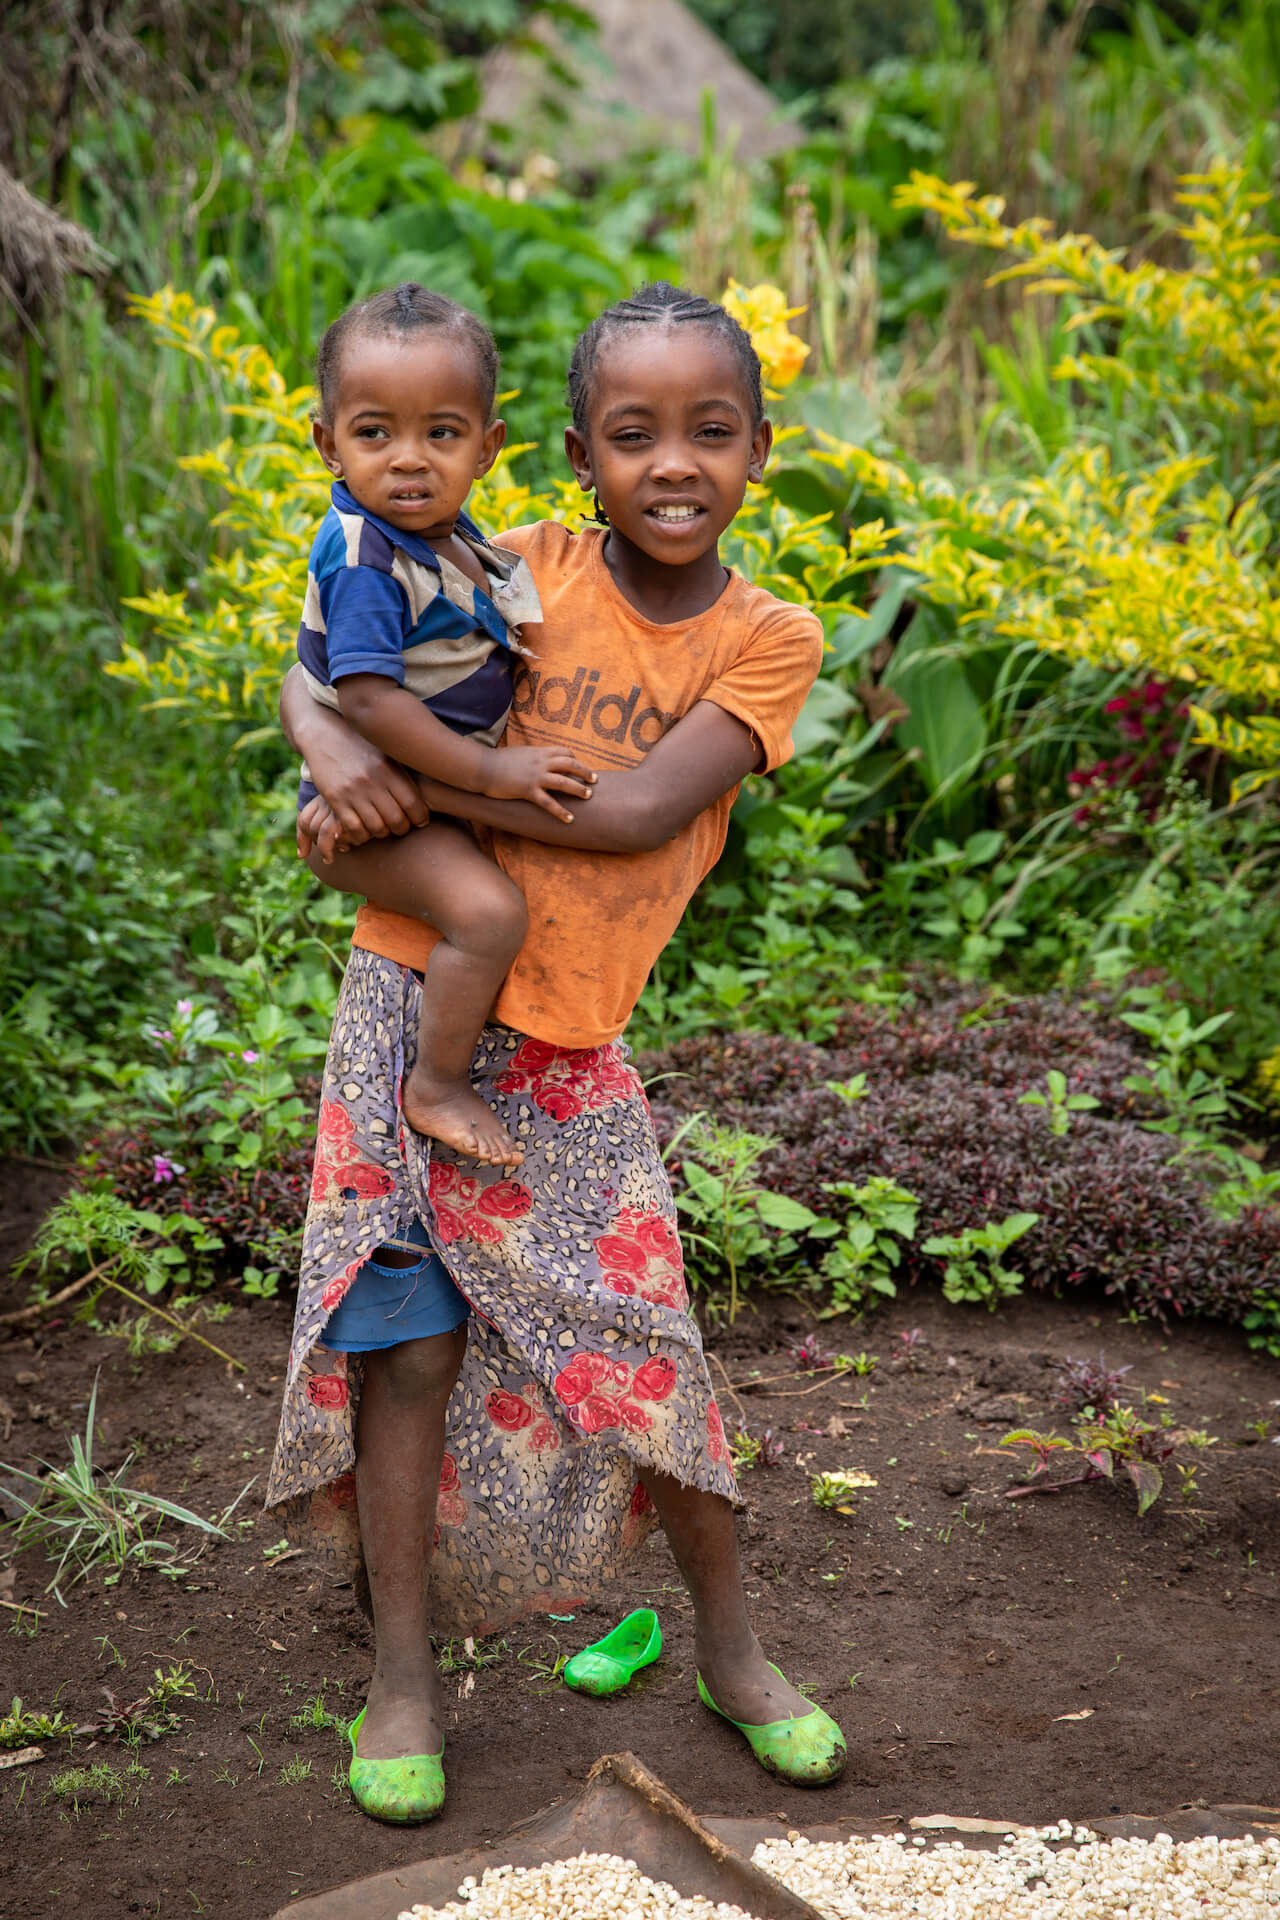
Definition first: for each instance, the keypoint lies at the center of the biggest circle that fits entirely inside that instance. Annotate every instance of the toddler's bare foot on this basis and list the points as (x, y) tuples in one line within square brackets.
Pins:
[(453, 1112)]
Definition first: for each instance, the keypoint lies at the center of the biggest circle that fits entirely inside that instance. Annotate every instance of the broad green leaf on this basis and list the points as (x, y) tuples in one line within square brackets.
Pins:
[(778, 1210), (945, 722)]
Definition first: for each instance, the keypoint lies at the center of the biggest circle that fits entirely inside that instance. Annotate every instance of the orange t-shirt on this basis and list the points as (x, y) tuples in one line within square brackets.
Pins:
[(608, 683)]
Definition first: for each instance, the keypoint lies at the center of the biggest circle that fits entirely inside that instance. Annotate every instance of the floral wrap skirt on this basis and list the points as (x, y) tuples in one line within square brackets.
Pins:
[(582, 1359)]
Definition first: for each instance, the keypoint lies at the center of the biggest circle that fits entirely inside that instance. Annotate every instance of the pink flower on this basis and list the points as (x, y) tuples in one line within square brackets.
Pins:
[(249, 1057), (165, 1169), (1119, 705), (185, 1008)]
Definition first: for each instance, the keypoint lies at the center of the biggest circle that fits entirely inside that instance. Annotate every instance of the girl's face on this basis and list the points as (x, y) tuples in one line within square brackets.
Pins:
[(410, 431), (670, 443)]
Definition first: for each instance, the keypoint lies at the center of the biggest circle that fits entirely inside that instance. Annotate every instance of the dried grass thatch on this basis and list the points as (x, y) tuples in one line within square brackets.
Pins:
[(39, 249), (644, 78)]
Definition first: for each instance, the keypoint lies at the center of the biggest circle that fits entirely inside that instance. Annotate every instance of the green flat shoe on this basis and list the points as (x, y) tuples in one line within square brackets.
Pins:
[(808, 1751), (403, 1792), (609, 1665)]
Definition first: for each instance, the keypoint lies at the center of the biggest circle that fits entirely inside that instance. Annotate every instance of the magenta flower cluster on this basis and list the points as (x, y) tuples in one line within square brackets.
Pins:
[(1149, 719)]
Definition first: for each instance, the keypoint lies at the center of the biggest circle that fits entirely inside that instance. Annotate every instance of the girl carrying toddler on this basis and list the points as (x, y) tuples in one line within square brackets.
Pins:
[(495, 1384)]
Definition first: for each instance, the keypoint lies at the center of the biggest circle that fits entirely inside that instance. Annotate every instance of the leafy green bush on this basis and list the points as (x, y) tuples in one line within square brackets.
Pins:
[(1118, 1208)]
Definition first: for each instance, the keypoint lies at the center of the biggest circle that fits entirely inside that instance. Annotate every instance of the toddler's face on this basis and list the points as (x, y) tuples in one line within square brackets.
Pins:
[(410, 431)]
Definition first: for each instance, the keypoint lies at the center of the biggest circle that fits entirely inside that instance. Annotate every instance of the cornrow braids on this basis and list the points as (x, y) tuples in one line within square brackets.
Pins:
[(408, 308), (659, 304)]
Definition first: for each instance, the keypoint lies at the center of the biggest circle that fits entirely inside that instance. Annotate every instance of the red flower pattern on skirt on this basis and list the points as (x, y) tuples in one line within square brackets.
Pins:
[(641, 1254), (451, 1508), (328, 1391), (340, 1168), (467, 1210), (508, 1411), (520, 1413), (338, 1289), (564, 1082), (716, 1445), (599, 1393)]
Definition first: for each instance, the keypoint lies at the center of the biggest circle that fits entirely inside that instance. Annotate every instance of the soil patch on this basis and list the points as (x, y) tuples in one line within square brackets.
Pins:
[(1026, 1659)]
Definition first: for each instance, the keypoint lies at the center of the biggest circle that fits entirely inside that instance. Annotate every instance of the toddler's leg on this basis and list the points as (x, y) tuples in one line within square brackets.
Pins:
[(439, 874)]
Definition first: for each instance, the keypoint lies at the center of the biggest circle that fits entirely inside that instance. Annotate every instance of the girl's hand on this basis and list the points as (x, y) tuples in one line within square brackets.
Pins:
[(538, 774), (367, 798)]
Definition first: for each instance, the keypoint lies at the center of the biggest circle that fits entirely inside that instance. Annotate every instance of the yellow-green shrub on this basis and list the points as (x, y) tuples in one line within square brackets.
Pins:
[(1130, 549)]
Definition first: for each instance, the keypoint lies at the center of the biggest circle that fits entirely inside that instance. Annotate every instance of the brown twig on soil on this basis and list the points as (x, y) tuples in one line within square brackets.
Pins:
[(22, 1606), (797, 1373), (24, 1314), (728, 1387), (802, 1393), (101, 1272), (149, 1306)]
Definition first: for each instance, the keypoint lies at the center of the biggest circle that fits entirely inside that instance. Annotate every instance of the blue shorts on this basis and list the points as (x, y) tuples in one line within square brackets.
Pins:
[(385, 1306)]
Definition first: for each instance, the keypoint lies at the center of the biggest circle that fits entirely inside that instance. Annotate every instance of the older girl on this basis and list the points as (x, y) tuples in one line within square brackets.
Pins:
[(512, 1460)]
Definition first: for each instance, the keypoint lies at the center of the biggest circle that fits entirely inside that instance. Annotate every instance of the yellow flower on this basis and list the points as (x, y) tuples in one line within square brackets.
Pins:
[(764, 312)]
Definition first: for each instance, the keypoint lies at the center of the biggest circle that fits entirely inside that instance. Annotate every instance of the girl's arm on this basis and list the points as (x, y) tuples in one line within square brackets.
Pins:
[(401, 727), (701, 757)]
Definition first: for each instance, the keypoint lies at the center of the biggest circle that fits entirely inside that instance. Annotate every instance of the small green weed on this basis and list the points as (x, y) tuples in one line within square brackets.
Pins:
[(19, 1728), (732, 1219), (879, 1217), (316, 1718), (1060, 1104), (101, 1784), (833, 1492), (295, 1771), (91, 1519), (973, 1270)]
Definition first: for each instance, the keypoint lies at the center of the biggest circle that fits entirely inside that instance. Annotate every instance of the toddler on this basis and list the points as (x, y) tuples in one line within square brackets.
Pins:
[(411, 629)]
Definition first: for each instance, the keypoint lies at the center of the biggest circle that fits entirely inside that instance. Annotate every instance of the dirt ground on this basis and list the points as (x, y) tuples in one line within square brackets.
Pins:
[(1023, 1659)]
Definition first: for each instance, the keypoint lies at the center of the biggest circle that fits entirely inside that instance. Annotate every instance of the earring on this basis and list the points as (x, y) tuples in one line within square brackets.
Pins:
[(600, 516)]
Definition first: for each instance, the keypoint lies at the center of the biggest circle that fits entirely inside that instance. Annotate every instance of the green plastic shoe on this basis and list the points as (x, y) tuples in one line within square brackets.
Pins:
[(403, 1792), (609, 1665), (808, 1751)]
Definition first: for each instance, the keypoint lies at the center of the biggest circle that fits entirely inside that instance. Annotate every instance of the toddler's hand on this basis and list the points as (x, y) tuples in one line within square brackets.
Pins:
[(539, 774)]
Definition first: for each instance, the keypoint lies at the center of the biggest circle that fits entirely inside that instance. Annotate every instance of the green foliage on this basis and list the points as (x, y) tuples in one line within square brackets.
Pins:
[(89, 1518), (1059, 1104), (1191, 1095), (1127, 533), (1262, 1325), (973, 1271), (19, 1728), (732, 1221), (878, 1219)]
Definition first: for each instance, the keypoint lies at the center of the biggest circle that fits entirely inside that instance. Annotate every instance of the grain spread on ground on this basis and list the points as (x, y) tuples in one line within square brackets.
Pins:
[(1040, 1873)]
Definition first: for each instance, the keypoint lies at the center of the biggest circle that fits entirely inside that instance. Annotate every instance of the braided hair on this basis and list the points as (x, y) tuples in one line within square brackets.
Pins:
[(405, 309), (659, 304)]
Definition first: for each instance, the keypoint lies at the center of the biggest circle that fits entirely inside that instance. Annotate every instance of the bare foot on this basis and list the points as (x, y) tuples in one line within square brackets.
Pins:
[(744, 1685), (453, 1112)]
